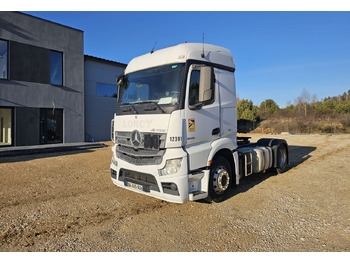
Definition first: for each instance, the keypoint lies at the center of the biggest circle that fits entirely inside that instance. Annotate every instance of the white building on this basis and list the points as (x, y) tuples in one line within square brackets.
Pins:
[(100, 96)]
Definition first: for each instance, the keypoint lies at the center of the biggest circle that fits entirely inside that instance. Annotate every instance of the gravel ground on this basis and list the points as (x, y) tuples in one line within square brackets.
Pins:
[(67, 202)]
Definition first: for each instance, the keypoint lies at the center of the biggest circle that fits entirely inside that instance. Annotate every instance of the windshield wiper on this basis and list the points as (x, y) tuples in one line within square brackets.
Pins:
[(149, 102), (128, 109)]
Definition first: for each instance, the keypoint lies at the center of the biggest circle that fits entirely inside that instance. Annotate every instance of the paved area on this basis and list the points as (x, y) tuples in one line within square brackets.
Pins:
[(67, 202)]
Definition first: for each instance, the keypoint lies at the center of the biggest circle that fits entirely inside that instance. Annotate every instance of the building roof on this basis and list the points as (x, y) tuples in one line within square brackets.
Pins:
[(101, 60)]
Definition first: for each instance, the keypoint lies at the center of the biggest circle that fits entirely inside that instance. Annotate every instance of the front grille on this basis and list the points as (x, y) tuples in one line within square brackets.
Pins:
[(149, 152), (148, 181), (149, 140), (140, 156)]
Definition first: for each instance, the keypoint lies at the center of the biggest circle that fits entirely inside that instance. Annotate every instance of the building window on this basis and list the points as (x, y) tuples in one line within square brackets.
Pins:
[(106, 90), (3, 59), (5, 127), (56, 68)]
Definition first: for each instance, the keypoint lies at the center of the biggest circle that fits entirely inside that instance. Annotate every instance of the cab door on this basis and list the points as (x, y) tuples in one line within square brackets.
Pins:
[(202, 120)]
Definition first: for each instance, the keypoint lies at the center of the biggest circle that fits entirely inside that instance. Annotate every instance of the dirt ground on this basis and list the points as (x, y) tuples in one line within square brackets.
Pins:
[(67, 202)]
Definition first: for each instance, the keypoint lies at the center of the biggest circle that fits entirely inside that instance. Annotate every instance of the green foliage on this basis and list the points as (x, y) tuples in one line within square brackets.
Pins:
[(290, 108), (342, 108), (306, 115), (247, 111), (333, 105), (322, 107), (268, 107)]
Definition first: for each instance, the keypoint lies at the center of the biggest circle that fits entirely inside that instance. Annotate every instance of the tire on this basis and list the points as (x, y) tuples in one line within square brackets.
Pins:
[(281, 159), (220, 179)]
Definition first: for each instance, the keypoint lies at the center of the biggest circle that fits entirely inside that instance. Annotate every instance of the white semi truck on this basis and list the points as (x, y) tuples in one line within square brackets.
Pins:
[(175, 127)]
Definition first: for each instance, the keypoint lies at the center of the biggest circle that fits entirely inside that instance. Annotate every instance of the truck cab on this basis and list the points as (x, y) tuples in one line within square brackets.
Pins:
[(175, 126)]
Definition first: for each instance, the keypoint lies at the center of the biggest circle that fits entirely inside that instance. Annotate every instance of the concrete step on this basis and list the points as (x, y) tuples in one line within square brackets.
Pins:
[(48, 148)]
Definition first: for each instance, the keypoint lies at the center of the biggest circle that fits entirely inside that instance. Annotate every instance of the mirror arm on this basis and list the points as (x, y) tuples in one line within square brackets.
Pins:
[(195, 106)]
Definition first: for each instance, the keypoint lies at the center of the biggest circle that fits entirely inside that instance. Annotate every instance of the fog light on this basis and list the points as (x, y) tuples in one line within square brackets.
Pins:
[(172, 166), (114, 161), (170, 188)]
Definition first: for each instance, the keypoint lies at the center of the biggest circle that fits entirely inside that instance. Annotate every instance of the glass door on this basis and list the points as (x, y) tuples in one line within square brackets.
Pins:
[(51, 126), (6, 129)]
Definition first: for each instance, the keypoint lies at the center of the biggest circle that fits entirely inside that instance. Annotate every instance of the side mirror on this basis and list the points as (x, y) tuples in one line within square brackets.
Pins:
[(206, 84), (120, 79)]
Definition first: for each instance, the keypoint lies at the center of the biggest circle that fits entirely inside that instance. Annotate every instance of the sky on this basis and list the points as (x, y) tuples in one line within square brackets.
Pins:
[(278, 54)]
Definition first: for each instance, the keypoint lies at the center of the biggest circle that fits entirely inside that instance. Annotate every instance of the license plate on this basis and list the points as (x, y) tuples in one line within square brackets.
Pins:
[(133, 185)]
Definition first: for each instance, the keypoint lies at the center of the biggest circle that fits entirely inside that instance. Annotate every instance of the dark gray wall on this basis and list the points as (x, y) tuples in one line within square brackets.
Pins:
[(23, 90), (29, 63), (27, 119)]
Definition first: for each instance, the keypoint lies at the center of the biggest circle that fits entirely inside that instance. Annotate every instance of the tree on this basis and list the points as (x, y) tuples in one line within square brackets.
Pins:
[(325, 107), (302, 102), (247, 111), (289, 109), (342, 108), (268, 107)]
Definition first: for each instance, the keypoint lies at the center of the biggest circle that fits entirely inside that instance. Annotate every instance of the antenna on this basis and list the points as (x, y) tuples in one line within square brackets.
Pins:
[(153, 47), (203, 47)]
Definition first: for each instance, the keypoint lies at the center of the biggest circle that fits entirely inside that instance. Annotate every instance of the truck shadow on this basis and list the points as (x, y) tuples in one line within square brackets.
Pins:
[(297, 155)]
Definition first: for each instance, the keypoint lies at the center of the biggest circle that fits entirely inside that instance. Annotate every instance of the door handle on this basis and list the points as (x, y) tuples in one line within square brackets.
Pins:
[(215, 131)]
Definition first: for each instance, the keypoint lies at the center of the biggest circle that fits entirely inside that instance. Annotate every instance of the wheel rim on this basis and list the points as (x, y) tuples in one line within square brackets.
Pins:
[(221, 180), (282, 155)]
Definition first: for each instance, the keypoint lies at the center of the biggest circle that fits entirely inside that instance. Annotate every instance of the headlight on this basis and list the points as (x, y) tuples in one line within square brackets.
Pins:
[(172, 166), (114, 161)]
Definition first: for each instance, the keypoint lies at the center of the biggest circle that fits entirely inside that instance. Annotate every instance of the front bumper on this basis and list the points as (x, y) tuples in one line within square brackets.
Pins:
[(145, 179)]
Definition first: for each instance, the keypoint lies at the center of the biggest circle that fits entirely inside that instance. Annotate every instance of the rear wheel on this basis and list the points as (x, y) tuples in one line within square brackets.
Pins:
[(220, 179), (281, 158)]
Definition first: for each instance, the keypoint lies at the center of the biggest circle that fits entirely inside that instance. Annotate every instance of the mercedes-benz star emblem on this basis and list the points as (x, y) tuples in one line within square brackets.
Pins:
[(136, 138)]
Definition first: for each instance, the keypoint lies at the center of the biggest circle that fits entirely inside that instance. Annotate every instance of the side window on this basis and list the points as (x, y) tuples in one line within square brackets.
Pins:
[(194, 88), (3, 59)]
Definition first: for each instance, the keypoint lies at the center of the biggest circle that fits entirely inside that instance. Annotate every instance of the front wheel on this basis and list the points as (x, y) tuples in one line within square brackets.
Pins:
[(220, 179)]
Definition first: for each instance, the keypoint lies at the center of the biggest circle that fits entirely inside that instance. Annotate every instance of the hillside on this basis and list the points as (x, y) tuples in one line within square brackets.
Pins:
[(329, 115)]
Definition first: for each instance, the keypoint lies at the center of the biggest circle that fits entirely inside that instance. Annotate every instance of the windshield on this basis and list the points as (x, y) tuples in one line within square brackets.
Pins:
[(158, 85)]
